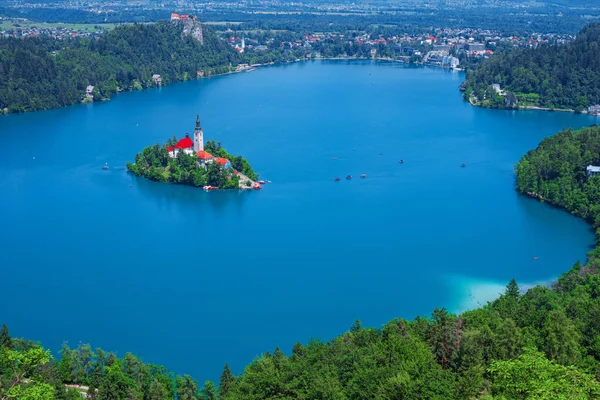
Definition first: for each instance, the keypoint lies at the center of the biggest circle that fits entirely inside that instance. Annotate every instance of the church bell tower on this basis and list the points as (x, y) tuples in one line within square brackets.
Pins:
[(198, 136)]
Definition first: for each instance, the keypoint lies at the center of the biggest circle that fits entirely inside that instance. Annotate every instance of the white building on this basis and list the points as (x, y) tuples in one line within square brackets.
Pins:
[(593, 170), (187, 145), (89, 92), (450, 62)]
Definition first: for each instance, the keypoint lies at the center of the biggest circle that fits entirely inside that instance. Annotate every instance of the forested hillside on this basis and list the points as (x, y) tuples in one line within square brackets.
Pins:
[(41, 73), (560, 76), (556, 172)]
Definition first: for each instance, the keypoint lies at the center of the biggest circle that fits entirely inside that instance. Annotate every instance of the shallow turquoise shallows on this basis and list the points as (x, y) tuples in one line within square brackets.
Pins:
[(192, 280)]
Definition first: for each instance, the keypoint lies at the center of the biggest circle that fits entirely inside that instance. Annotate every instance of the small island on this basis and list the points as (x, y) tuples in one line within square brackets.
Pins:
[(191, 162)]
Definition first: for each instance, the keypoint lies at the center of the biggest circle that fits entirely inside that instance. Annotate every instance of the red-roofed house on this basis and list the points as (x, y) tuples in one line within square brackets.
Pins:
[(204, 156), (174, 17), (186, 145), (223, 161)]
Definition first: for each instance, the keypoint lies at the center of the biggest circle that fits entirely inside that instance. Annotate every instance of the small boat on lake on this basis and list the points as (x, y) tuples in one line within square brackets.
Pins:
[(401, 161), (363, 175), (256, 186), (349, 177), (463, 165), (535, 258), (208, 187), (105, 166), (262, 182), (337, 179)]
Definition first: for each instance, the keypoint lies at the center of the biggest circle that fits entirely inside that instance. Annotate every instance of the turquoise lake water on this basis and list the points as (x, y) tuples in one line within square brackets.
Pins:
[(192, 280)]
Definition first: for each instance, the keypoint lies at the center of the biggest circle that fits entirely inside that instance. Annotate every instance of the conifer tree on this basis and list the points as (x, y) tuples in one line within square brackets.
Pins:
[(226, 381), (512, 289), (5, 339), (66, 365)]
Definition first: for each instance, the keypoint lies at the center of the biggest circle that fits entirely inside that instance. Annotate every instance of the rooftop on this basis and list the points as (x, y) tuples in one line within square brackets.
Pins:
[(204, 155)]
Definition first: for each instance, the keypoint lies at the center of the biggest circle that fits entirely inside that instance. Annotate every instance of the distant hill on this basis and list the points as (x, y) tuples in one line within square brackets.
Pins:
[(43, 73), (557, 76)]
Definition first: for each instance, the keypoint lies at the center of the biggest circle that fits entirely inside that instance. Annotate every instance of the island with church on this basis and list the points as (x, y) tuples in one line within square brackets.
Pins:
[(194, 163)]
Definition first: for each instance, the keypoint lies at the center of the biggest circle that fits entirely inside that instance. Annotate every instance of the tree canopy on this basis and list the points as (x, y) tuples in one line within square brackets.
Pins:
[(43, 73), (565, 76)]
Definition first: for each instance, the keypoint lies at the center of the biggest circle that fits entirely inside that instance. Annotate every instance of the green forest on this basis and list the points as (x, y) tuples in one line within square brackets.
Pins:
[(42, 73), (556, 173), (563, 76), (155, 164)]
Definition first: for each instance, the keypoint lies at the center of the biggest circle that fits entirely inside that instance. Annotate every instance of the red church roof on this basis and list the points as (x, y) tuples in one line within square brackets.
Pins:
[(204, 155), (184, 143), (221, 161)]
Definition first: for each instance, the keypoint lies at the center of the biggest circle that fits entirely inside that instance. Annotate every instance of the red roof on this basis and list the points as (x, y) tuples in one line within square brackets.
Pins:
[(204, 155), (221, 161), (184, 143), (170, 148)]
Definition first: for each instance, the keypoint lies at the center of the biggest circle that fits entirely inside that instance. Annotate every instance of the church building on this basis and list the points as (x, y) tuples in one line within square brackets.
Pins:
[(187, 145), (196, 147)]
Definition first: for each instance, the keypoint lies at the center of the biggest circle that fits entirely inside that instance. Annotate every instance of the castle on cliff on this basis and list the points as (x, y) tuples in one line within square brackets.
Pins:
[(191, 26)]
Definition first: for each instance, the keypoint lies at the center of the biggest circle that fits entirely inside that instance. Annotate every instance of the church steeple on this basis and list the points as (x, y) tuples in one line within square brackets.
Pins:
[(198, 136)]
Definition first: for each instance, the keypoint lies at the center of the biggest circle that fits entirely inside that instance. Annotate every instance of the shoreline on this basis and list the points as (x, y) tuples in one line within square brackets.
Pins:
[(532, 108), (248, 69)]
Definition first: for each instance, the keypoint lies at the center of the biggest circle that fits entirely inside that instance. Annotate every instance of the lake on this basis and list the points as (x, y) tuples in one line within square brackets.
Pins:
[(192, 280)]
